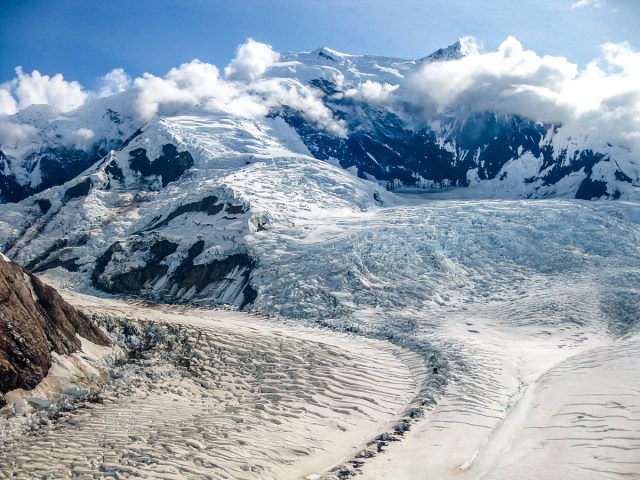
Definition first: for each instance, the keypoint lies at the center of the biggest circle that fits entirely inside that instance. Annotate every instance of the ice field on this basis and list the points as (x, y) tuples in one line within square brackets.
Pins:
[(528, 308)]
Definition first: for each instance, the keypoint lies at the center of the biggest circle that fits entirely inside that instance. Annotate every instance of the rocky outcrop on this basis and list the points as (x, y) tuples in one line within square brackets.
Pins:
[(225, 280), (54, 165), (169, 166), (34, 322)]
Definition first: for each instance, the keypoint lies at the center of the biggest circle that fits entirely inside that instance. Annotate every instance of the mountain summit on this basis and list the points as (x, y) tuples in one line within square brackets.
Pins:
[(168, 190)]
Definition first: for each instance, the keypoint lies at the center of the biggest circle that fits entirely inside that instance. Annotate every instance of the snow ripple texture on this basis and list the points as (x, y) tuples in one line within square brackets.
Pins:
[(236, 399)]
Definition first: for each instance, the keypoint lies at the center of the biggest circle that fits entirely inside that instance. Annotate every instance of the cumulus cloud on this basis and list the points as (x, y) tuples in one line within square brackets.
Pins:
[(601, 99), (193, 84), (82, 137), (372, 92), (470, 45), (242, 92), (115, 81), (37, 89), (276, 93), (8, 104), (505, 80), (184, 86), (251, 61)]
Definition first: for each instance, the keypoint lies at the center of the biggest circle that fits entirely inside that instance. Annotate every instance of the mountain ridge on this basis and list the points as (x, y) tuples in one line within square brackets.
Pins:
[(35, 321), (450, 149), (178, 209)]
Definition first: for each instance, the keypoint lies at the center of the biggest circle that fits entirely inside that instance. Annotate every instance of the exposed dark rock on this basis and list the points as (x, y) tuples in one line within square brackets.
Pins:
[(55, 247), (44, 204), (80, 189), (170, 166), (10, 189), (622, 177), (135, 134), (114, 116), (452, 52), (34, 321), (133, 281), (57, 165), (590, 189), (70, 265), (186, 276), (250, 294), (114, 171), (207, 204), (234, 209), (343, 473), (326, 86), (401, 428), (366, 454), (162, 249), (380, 144), (564, 164), (101, 264), (322, 54)]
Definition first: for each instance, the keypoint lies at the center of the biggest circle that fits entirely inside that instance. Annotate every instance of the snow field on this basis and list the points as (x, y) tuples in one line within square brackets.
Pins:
[(256, 400), (513, 298)]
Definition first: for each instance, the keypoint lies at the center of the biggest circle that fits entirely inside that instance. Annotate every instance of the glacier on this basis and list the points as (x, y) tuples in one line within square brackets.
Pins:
[(491, 259)]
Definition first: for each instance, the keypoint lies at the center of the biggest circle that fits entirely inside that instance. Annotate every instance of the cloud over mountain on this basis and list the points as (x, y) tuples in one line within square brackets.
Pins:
[(602, 99), (251, 61), (34, 88)]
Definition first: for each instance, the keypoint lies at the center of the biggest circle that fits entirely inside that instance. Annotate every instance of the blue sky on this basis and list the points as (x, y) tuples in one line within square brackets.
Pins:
[(84, 39)]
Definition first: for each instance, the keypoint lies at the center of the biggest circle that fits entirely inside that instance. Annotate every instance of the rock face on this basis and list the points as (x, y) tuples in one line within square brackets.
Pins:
[(397, 144), (34, 321), (481, 148)]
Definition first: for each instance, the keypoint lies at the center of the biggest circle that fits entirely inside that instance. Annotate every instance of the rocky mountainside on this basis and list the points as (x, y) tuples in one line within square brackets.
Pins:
[(197, 198), (173, 213), (398, 143), (34, 322), (500, 154)]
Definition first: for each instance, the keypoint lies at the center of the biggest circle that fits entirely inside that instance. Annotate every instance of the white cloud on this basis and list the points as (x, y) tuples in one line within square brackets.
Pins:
[(192, 84), (199, 84), (372, 92), (501, 81), (36, 89), (13, 133), (84, 133), (601, 100), (8, 104), (115, 81), (469, 45), (278, 92), (585, 3), (82, 137), (251, 61), (184, 86)]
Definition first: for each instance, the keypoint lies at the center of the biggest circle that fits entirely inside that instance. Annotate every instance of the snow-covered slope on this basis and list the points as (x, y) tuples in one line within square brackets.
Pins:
[(217, 207), (503, 155), (279, 214), (47, 148), (356, 111), (169, 215)]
